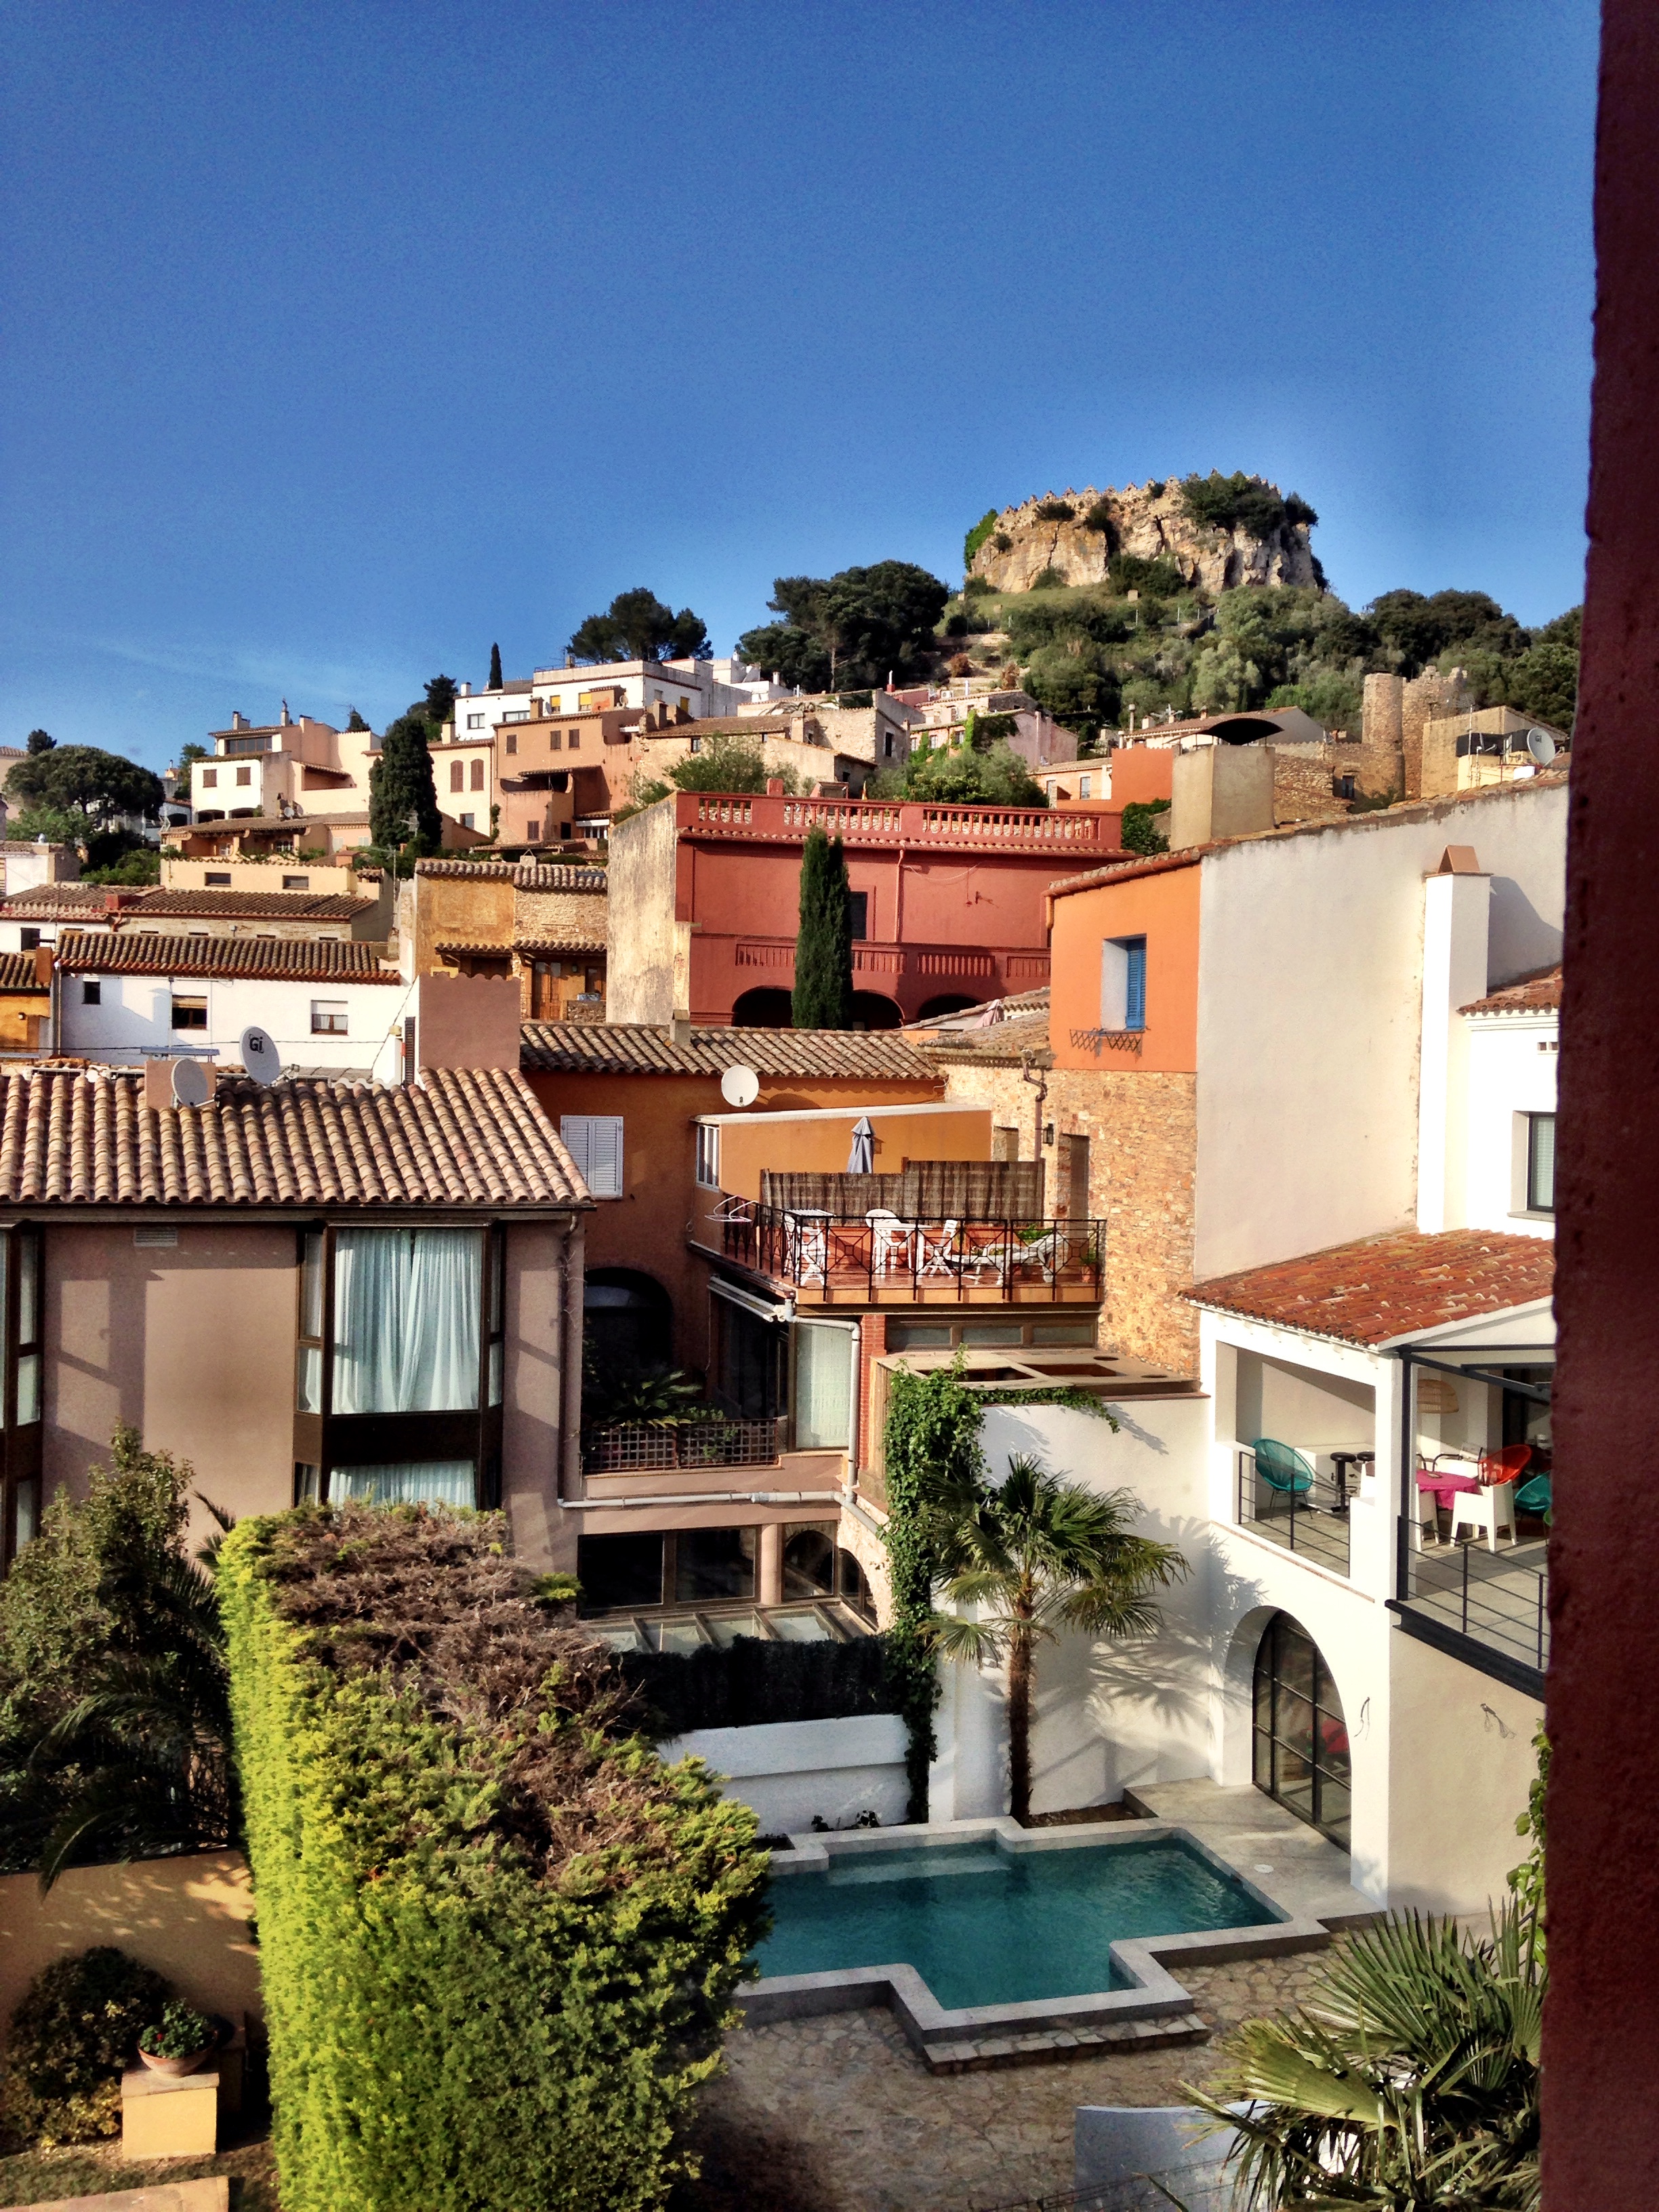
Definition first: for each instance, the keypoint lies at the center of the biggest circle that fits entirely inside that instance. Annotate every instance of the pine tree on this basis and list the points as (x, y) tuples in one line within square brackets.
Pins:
[(495, 668), (823, 950), (402, 800), (40, 741)]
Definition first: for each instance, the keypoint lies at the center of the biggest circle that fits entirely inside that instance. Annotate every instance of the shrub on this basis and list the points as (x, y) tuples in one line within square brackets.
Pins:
[(1002, 542), (1139, 830), (751, 1681), (498, 1937), (976, 588), (977, 535), (179, 2032), (1047, 579), (1132, 572), (1234, 502), (1055, 510), (71, 2035), (1101, 519)]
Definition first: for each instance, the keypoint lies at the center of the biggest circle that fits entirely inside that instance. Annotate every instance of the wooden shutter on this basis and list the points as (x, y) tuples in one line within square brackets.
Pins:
[(594, 1142), (1134, 1011)]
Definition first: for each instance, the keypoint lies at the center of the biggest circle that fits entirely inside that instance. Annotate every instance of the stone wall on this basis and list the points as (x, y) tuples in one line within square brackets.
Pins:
[(1150, 521), (1142, 1133), (1397, 711), (648, 963), (567, 917)]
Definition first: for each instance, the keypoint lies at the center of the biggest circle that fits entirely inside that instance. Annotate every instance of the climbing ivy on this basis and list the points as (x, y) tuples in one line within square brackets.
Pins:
[(930, 1442)]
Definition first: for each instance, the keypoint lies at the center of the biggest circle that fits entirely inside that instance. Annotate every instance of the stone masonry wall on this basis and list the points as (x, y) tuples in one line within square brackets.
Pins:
[(1143, 1138)]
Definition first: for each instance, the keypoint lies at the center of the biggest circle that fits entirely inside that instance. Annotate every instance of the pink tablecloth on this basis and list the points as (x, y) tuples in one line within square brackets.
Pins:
[(1446, 1486)]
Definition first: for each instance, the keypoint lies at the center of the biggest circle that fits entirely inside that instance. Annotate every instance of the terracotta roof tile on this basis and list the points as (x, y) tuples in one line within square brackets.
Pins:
[(637, 1049), (155, 952), (549, 948), (527, 876), (50, 901), (460, 1137), (255, 906), (1383, 1288), (1539, 993), (17, 974)]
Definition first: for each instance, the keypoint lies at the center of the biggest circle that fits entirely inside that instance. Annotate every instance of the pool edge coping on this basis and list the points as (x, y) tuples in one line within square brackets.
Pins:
[(1153, 1995)]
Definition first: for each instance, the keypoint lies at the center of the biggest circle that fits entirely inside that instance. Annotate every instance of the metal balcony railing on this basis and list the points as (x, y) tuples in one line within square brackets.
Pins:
[(1314, 1523), (817, 1252)]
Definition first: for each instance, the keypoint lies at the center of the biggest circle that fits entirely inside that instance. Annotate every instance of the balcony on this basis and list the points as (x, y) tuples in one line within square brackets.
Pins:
[(639, 1448), (826, 1258), (1075, 837), (1307, 1513), (1498, 1602)]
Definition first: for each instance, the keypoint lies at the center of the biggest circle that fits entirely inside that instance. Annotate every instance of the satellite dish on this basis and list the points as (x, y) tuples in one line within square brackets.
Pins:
[(740, 1086), (1540, 747), (260, 1056), (190, 1083)]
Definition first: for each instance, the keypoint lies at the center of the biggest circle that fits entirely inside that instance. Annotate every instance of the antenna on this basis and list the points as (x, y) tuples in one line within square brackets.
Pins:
[(260, 1056), (740, 1086), (190, 1083), (1540, 747)]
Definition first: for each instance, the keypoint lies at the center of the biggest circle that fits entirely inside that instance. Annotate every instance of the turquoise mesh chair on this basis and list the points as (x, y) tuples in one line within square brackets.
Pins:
[(1282, 1470), (1534, 1497)]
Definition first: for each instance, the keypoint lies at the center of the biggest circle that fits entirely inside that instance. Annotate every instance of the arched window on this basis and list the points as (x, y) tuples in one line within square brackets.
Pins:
[(1300, 1737), (764, 1009)]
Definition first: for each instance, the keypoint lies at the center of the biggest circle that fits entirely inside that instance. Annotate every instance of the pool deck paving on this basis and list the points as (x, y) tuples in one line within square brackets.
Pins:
[(838, 2113), (1291, 1862)]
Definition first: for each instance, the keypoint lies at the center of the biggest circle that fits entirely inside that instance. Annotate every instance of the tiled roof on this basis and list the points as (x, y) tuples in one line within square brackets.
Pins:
[(50, 901), (1386, 1287), (292, 959), (549, 948), (1019, 1034), (637, 1049), (17, 974), (1116, 872), (252, 905), (221, 825), (527, 875), (473, 949), (71, 1137), (1532, 994)]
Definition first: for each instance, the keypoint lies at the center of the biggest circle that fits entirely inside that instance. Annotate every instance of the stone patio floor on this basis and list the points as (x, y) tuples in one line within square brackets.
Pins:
[(837, 2114)]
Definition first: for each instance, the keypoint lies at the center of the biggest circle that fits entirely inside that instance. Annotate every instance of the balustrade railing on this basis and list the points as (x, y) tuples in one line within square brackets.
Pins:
[(813, 1251), (638, 1447)]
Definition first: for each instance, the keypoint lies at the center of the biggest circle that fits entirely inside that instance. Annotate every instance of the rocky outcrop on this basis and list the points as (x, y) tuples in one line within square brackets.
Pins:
[(1150, 520)]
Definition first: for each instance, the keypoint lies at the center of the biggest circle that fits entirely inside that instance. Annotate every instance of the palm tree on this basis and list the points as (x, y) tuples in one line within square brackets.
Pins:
[(1409, 2078), (1038, 1557)]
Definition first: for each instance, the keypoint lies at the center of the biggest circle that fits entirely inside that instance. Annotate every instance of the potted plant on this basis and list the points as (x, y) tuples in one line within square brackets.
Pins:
[(179, 2041)]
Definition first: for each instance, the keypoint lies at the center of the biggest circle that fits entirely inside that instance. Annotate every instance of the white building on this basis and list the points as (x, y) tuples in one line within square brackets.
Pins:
[(330, 1005)]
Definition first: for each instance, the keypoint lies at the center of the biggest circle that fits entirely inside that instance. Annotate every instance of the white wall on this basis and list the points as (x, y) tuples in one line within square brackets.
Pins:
[(1310, 1011), (136, 1014), (1511, 1073), (792, 1770)]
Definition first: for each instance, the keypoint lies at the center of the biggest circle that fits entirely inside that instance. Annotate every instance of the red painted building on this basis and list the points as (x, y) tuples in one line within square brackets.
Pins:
[(948, 903)]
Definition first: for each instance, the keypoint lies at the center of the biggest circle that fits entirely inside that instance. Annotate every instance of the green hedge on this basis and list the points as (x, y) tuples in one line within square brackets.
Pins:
[(498, 1941), (751, 1681)]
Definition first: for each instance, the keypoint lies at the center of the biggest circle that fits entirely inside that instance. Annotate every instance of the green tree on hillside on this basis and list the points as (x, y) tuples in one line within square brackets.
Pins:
[(39, 741), (85, 781), (638, 626), (852, 629), (962, 775), (977, 535), (402, 801), (355, 720), (823, 997)]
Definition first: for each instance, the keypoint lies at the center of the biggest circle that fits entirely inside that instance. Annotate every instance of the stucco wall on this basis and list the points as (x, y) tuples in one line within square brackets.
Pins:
[(1461, 1759), (136, 1015), (820, 1142), (186, 1917), (1510, 1074), (467, 1021), (792, 1770), (1162, 908), (645, 961), (534, 1414)]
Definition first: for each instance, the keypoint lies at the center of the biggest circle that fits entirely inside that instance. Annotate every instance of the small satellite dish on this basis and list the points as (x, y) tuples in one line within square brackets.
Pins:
[(190, 1083), (260, 1056), (1540, 747), (740, 1086)]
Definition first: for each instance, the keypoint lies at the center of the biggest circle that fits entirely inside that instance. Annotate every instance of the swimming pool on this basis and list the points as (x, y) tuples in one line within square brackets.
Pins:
[(984, 1924)]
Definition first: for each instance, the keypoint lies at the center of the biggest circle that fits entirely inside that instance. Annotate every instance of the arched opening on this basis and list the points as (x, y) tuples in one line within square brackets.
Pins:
[(763, 1010), (628, 1324), (951, 1002), (1300, 1753), (873, 1011)]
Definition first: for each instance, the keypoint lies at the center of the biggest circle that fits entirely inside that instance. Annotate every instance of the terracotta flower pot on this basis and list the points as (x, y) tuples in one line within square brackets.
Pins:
[(175, 2066)]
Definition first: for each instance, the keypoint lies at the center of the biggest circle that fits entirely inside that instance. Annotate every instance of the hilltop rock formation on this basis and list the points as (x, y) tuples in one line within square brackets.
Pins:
[(1078, 533)]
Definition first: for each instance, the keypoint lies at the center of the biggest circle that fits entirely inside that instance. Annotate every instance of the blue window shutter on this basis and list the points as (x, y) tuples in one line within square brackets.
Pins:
[(1134, 1014)]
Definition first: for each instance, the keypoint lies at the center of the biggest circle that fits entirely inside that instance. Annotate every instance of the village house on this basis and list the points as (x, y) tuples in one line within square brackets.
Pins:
[(545, 925)]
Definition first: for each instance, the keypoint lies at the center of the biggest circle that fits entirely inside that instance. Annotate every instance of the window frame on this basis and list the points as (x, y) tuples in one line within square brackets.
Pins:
[(1123, 986), (322, 1017), (1535, 1202), (580, 1126), (20, 1455), (707, 1169), (189, 1001)]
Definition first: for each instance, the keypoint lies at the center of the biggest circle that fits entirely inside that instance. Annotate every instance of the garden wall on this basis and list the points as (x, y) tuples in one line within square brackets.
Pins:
[(187, 1917), (791, 1771)]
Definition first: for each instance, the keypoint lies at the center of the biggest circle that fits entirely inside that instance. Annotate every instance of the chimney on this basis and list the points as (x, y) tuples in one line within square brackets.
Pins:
[(43, 963), (239, 720), (679, 1028), (570, 660), (1456, 909), (1220, 791)]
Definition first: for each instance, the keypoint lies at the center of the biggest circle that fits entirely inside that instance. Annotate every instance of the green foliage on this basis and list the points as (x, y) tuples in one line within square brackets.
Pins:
[(179, 2032), (1409, 2078), (1527, 1880), (638, 626), (1049, 580), (1038, 1557), (752, 1682), (438, 704), (57, 826), (1075, 684), (991, 730), (138, 865), (1132, 572), (42, 741), (665, 1398), (114, 1726), (1100, 519), (1418, 630), (1055, 510), (354, 722), (85, 781), (498, 1938), (822, 996), (728, 762), (1237, 502), (1544, 681), (495, 683), (1298, 514), (1003, 542), (977, 535), (1139, 828), (1032, 623), (960, 775), (850, 630), (977, 587), (1335, 700), (402, 800), (76, 2028)]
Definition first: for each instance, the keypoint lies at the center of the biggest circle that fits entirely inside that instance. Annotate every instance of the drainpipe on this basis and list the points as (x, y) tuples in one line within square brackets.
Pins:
[(1041, 1081), (570, 1388)]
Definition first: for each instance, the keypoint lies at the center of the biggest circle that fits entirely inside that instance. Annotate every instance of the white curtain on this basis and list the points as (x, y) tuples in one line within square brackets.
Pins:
[(431, 1482), (406, 1320), (823, 1387)]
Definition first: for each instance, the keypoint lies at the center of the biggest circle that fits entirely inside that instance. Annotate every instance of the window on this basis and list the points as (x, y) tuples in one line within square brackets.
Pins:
[(210, 779), (512, 741), (92, 991), (1541, 1163), (696, 744), (29, 940), (217, 879), (594, 1142), (708, 1155), (457, 775), (1301, 1755), (296, 883), (860, 904), (555, 740), (328, 1018), (469, 821), (1083, 787), (575, 741), (189, 1013), (245, 776), (308, 1389), (887, 746), (496, 1315), (406, 1312), (823, 1387), (516, 714), (809, 1560), (1123, 983), (619, 1572), (713, 1564), (475, 721), (532, 830), (475, 779)]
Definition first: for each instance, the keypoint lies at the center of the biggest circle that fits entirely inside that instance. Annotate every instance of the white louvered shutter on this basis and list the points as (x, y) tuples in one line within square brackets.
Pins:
[(594, 1142)]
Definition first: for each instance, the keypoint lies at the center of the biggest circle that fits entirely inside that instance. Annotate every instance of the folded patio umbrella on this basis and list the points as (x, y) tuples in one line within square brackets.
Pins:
[(861, 1160)]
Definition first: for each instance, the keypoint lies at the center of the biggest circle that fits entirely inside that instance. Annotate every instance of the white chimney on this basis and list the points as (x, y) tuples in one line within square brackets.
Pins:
[(1457, 912)]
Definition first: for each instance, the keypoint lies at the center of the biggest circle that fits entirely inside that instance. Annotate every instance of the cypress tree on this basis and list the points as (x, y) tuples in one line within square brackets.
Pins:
[(402, 800), (823, 950), (495, 683)]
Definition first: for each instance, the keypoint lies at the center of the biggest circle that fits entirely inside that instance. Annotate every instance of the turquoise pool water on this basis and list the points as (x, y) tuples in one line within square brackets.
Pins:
[(985, 1926)]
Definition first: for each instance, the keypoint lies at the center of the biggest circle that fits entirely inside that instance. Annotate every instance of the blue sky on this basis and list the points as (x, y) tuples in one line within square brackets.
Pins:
[(341, 341)]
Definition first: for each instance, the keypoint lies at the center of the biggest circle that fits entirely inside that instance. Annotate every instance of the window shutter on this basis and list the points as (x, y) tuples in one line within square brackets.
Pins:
[(594, 1142), (1134, 1011)]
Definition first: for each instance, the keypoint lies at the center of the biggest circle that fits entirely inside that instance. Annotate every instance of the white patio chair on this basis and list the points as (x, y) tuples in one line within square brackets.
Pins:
[(893, 1238), (939, 1253), (1492, 1508)]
